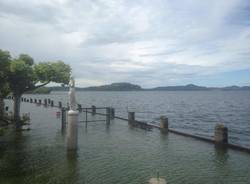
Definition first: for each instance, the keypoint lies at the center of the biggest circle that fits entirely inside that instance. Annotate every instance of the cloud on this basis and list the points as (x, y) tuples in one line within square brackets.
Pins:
[(145, 42)]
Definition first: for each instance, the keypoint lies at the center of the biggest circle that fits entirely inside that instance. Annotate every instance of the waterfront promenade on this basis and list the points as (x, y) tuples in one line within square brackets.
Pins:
[(113, 154)]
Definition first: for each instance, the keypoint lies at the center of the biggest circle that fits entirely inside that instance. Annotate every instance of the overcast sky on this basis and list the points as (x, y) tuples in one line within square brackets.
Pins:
[(146, 42)]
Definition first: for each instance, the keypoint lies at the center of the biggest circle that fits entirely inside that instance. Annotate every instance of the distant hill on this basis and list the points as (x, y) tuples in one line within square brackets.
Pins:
[(189, 87), (125, 86), (192, 87), (236, 88), (122, 86)]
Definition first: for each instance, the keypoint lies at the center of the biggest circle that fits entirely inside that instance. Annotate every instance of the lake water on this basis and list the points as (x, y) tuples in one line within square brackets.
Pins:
[(117, 154), (195, 112)]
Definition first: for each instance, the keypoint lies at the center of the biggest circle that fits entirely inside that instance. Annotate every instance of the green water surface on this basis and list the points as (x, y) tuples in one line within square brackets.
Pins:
[(116, 154)]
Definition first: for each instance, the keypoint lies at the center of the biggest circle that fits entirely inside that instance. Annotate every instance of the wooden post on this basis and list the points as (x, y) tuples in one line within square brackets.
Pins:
[(108, 115), (112, 113), (86, 115), (45, 102), (40, 101), (63, 110), (27, 100), (35, 100), (79, 107), (52, 103), (31, 100), (131, 118), (93, 109), (60, 104), (49, 101), (164, 124), (220, 134)]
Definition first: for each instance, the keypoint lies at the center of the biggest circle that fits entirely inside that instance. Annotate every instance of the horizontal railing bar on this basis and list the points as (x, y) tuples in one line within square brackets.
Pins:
[(92, 121), (95, 108)]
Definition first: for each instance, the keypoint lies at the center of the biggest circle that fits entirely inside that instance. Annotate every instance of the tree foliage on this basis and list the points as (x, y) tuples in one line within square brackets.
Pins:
[(5, 59), (21, 77), (25, 76), (21, 74), (26, 58), (57, 72)]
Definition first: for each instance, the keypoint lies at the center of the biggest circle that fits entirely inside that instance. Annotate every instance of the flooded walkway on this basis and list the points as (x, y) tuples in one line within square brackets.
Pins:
[(112, 155)]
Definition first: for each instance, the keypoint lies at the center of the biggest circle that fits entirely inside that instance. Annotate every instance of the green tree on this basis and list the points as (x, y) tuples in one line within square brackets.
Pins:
[(5, 59), (26, 76)]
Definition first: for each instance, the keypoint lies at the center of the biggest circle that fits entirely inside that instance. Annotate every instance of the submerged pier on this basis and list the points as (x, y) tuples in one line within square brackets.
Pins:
[(220, 138)]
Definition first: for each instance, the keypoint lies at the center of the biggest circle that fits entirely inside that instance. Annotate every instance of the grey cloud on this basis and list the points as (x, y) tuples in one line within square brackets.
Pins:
[(108, 37), (144, 42), (240, 15), (167, 52), (41, 13), (246, 54)]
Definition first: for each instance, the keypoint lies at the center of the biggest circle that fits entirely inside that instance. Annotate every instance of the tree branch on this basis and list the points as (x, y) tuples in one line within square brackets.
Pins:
[(35, 87), (42, 85)]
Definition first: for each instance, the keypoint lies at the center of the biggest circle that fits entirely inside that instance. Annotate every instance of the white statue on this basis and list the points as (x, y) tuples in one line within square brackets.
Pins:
[(72, 94)]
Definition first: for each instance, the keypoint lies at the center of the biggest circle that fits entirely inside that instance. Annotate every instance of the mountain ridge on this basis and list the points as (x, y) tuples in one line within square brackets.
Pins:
[(125, 86)]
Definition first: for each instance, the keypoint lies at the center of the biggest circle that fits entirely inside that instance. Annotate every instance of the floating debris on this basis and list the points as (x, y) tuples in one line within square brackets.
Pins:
[(157, 180)]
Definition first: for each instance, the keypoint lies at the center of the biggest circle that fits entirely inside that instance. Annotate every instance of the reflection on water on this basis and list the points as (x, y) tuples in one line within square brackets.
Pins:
[(72, 167), (113, 154)]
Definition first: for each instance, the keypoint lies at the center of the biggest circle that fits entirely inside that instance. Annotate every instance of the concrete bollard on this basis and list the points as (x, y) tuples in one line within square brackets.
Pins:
[(31, 100), (93, 109), (72, 130), (131, 118), (45, 102), (51, 103), (112, 113), (60, 104), (164, 124), (108, 115), (220, 134)]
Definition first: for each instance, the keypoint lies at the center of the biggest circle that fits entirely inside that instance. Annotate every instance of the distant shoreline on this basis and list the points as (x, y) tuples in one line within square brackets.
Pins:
[(133, 87)]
